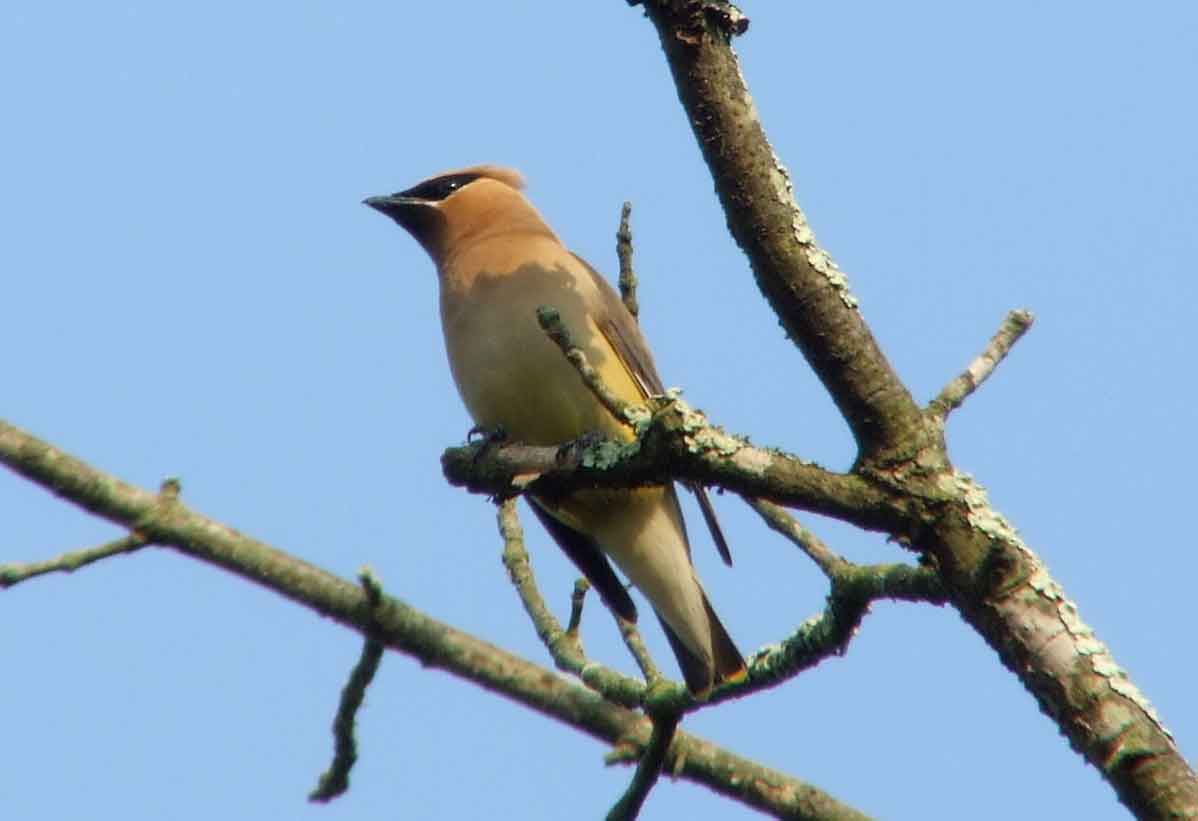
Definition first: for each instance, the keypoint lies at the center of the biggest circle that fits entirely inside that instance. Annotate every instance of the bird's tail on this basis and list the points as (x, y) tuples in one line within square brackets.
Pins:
[(699, 674)]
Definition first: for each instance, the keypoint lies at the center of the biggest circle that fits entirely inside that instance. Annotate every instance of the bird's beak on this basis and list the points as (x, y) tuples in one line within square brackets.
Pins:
[(393, 205), (420, 218)]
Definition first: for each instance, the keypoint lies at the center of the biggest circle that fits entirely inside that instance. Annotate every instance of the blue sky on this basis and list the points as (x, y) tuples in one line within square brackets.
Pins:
[(191, 288)]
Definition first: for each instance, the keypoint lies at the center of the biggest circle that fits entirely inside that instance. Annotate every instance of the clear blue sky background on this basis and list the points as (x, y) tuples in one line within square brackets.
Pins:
[(191, 288)]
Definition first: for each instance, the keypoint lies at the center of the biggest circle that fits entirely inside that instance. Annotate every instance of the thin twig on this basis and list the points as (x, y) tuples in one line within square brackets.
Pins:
[(636, 646), (1014, 326), (564, 648), (780, 520), (647, 770), (335, 780), (515, 559), (16, 572), (551, 323), (624, 253), (577, 599)]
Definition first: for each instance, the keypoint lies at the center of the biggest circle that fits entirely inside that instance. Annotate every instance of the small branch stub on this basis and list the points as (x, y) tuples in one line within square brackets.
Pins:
[(335, 780), (628, 281), (1014, 326), (577, 599)]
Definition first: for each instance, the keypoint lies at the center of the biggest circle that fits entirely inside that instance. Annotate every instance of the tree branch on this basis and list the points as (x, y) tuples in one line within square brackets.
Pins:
[(624, 254), (994, 580), (954, 394), (564, 646), (577, 599), (551, 323), (335, 780), (15, 573), (647, 770), (802, 283), (782, 522), (677, 443), (401, 627)]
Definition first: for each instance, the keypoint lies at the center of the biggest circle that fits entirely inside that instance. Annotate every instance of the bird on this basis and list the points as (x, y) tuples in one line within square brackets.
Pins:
[(497, 262)]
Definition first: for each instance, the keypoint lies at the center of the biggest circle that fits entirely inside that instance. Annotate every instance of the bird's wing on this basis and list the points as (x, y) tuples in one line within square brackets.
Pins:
[(621, 331)]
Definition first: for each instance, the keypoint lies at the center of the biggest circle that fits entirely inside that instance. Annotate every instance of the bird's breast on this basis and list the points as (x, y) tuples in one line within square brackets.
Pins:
[(510, 374)]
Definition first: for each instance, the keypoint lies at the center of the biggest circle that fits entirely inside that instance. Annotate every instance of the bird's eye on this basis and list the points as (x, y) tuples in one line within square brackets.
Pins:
[(439, 188)]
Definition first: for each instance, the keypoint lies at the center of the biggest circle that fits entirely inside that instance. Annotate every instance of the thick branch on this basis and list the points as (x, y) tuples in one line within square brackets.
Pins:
[(995, 581), (802, 283)]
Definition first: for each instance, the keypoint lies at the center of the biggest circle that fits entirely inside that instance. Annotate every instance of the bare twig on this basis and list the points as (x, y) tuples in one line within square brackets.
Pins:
[(563, 646), (577, 599), (515, 559), (647, 770), (1014, 326), (636, 646), (551, 323), (781, 521), (624, 253), (15, 573), (335, 780)]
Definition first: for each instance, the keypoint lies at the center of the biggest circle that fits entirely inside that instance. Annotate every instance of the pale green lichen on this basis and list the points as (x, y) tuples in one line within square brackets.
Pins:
[(986, 519), (752, 460), (692, 420), (982, 515), (715, 440), (1087, 645), (701, 436), (638, 416), (771, 656), (606, 454), (819, 259), (1123, 686), (802, 231), (1044, 584)]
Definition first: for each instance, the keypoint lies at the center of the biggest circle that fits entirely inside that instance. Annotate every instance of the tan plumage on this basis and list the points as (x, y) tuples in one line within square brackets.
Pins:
[(497, 262)]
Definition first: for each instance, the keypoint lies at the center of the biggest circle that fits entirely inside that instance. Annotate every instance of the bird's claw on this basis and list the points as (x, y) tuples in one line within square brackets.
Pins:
[(487, 439)]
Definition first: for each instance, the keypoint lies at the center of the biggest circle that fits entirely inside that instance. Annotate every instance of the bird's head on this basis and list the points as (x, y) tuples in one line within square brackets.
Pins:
[(455, 208)]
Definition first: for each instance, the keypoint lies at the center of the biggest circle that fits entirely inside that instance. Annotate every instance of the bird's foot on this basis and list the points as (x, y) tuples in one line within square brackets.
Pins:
[(568, 450), (487, 439)]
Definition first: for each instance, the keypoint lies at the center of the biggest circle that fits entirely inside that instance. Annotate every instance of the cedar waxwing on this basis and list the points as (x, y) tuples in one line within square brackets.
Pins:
[(497, 262)]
